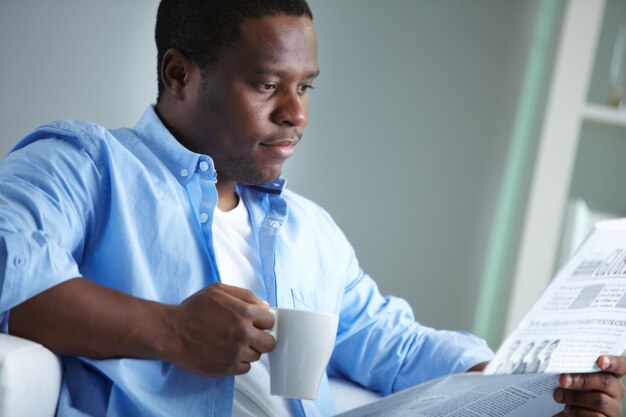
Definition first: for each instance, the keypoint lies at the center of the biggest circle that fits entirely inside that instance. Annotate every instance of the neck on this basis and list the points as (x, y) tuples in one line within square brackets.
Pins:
[(227, 198), (226, 187)]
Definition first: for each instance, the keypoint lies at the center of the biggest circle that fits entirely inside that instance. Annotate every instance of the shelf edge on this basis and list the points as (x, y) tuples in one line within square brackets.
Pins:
[(603, 114)]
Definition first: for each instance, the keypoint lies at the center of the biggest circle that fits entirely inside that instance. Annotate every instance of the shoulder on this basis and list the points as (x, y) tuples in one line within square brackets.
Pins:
[(82, 137)]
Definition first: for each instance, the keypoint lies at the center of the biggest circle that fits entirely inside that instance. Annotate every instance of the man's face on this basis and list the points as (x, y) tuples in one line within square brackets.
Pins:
[(251, 107)]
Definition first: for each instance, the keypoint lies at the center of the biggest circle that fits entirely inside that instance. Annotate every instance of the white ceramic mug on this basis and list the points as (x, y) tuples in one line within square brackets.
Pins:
[(304, 343)]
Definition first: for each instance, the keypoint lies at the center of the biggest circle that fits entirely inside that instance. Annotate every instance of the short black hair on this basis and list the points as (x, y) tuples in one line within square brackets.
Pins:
[(200, 28)]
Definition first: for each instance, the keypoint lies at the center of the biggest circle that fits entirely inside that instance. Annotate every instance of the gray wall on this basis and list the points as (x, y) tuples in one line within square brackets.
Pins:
[(410, 123), (77, 59), (410, 119)]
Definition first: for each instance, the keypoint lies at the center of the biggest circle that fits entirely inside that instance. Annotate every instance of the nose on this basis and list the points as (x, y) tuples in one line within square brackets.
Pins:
[(291, 110)]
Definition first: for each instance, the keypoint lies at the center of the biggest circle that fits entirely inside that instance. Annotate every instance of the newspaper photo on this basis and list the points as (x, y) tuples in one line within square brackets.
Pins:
[(580, 316)]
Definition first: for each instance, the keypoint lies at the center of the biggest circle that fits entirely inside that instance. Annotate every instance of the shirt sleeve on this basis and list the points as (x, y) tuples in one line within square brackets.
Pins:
[(46, 210), (381, 346)]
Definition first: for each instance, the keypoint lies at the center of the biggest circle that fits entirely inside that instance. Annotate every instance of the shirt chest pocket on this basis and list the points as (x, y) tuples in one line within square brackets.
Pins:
[(312, 300)]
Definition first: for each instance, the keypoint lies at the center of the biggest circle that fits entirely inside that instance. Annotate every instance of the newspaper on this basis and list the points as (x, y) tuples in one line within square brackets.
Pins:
[(581, 315), (470, 395)]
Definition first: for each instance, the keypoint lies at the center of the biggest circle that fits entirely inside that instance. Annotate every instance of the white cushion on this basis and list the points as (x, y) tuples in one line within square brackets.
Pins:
[(30, 378), (348, 395)]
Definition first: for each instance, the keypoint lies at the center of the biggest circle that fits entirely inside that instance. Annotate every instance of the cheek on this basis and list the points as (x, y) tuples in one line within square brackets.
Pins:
[(255, 117), (305, 108)]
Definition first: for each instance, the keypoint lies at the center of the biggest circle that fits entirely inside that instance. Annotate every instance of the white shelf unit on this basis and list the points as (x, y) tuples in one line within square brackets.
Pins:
[(566, 109)]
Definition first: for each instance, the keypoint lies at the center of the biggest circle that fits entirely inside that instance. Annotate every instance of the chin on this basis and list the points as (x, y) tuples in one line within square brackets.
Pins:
[(267, 175), (259, 179), (264, 181), (255, 174)]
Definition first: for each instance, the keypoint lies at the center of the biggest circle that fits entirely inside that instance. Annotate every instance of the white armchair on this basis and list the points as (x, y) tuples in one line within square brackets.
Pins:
[(30, 378)]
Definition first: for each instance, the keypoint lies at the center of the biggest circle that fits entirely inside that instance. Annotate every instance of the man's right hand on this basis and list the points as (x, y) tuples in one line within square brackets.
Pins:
[(220, 330)]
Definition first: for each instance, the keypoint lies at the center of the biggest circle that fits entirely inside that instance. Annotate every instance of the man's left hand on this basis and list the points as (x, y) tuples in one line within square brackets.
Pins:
[(597, 394)]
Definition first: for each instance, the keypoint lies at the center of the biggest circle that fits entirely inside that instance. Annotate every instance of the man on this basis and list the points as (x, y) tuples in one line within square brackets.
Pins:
[(118, 250), (523, 360), (535, 359), (507, 366), (547, 356)]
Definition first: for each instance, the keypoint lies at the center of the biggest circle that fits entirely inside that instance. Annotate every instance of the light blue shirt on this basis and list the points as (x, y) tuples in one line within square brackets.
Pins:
[(132, 210)]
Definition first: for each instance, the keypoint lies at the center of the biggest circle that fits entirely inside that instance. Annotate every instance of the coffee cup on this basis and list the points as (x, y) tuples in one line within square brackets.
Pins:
[(304, 343)]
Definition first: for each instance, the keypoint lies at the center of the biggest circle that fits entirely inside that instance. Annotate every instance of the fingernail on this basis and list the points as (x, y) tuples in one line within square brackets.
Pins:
[(605, 363), (558, 395), (568, 381)]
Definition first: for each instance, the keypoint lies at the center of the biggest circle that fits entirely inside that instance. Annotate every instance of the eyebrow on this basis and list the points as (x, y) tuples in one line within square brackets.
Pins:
[(279, 73)]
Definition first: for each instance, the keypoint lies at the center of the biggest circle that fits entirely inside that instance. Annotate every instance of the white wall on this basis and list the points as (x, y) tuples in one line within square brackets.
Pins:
[(410, 120)]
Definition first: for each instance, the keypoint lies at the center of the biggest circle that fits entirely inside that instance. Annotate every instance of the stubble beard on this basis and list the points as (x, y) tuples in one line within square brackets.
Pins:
[(245, 170)]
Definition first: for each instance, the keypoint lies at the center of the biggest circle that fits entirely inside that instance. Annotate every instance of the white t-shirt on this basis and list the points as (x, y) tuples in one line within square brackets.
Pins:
[(237, 256)]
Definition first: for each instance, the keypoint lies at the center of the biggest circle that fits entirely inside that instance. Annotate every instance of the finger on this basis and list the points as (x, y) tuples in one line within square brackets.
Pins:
[(249, 355), (613, 364), (241, 360), (263, 342), (599, 381), (258, 315), (241, 368), (248, 305), (587, 403), (243, 295), (262, 318)]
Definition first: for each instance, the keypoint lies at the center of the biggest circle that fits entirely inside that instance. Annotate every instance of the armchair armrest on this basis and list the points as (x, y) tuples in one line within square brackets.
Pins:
[(30, 378)]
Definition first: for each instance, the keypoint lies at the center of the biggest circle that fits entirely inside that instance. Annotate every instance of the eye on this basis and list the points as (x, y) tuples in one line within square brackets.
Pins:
[(304, 88), (266, 87)]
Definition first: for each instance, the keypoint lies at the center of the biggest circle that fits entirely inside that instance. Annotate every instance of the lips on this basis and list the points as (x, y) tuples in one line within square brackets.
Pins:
[(281, 148)]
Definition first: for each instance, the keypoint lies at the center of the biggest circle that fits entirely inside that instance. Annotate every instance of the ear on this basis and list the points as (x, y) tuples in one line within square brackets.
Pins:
[(176, 70)]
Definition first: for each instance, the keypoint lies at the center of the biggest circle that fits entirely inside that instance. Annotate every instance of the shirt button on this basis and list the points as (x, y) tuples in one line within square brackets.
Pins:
[(204, 165), (18, 261), (184, 172), (204, 217)]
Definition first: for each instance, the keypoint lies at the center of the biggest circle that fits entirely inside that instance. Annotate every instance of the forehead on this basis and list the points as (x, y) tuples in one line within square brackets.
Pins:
[(277, 42)]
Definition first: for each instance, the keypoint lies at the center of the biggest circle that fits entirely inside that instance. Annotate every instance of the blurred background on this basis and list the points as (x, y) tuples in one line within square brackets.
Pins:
[(450, 139)]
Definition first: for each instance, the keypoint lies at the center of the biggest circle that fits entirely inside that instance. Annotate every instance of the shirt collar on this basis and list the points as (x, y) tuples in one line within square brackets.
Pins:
[(182, 162), (273, 187)]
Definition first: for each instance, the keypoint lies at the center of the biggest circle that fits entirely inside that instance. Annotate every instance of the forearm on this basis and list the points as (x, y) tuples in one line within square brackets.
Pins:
[(217, 331), (81, 318)]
